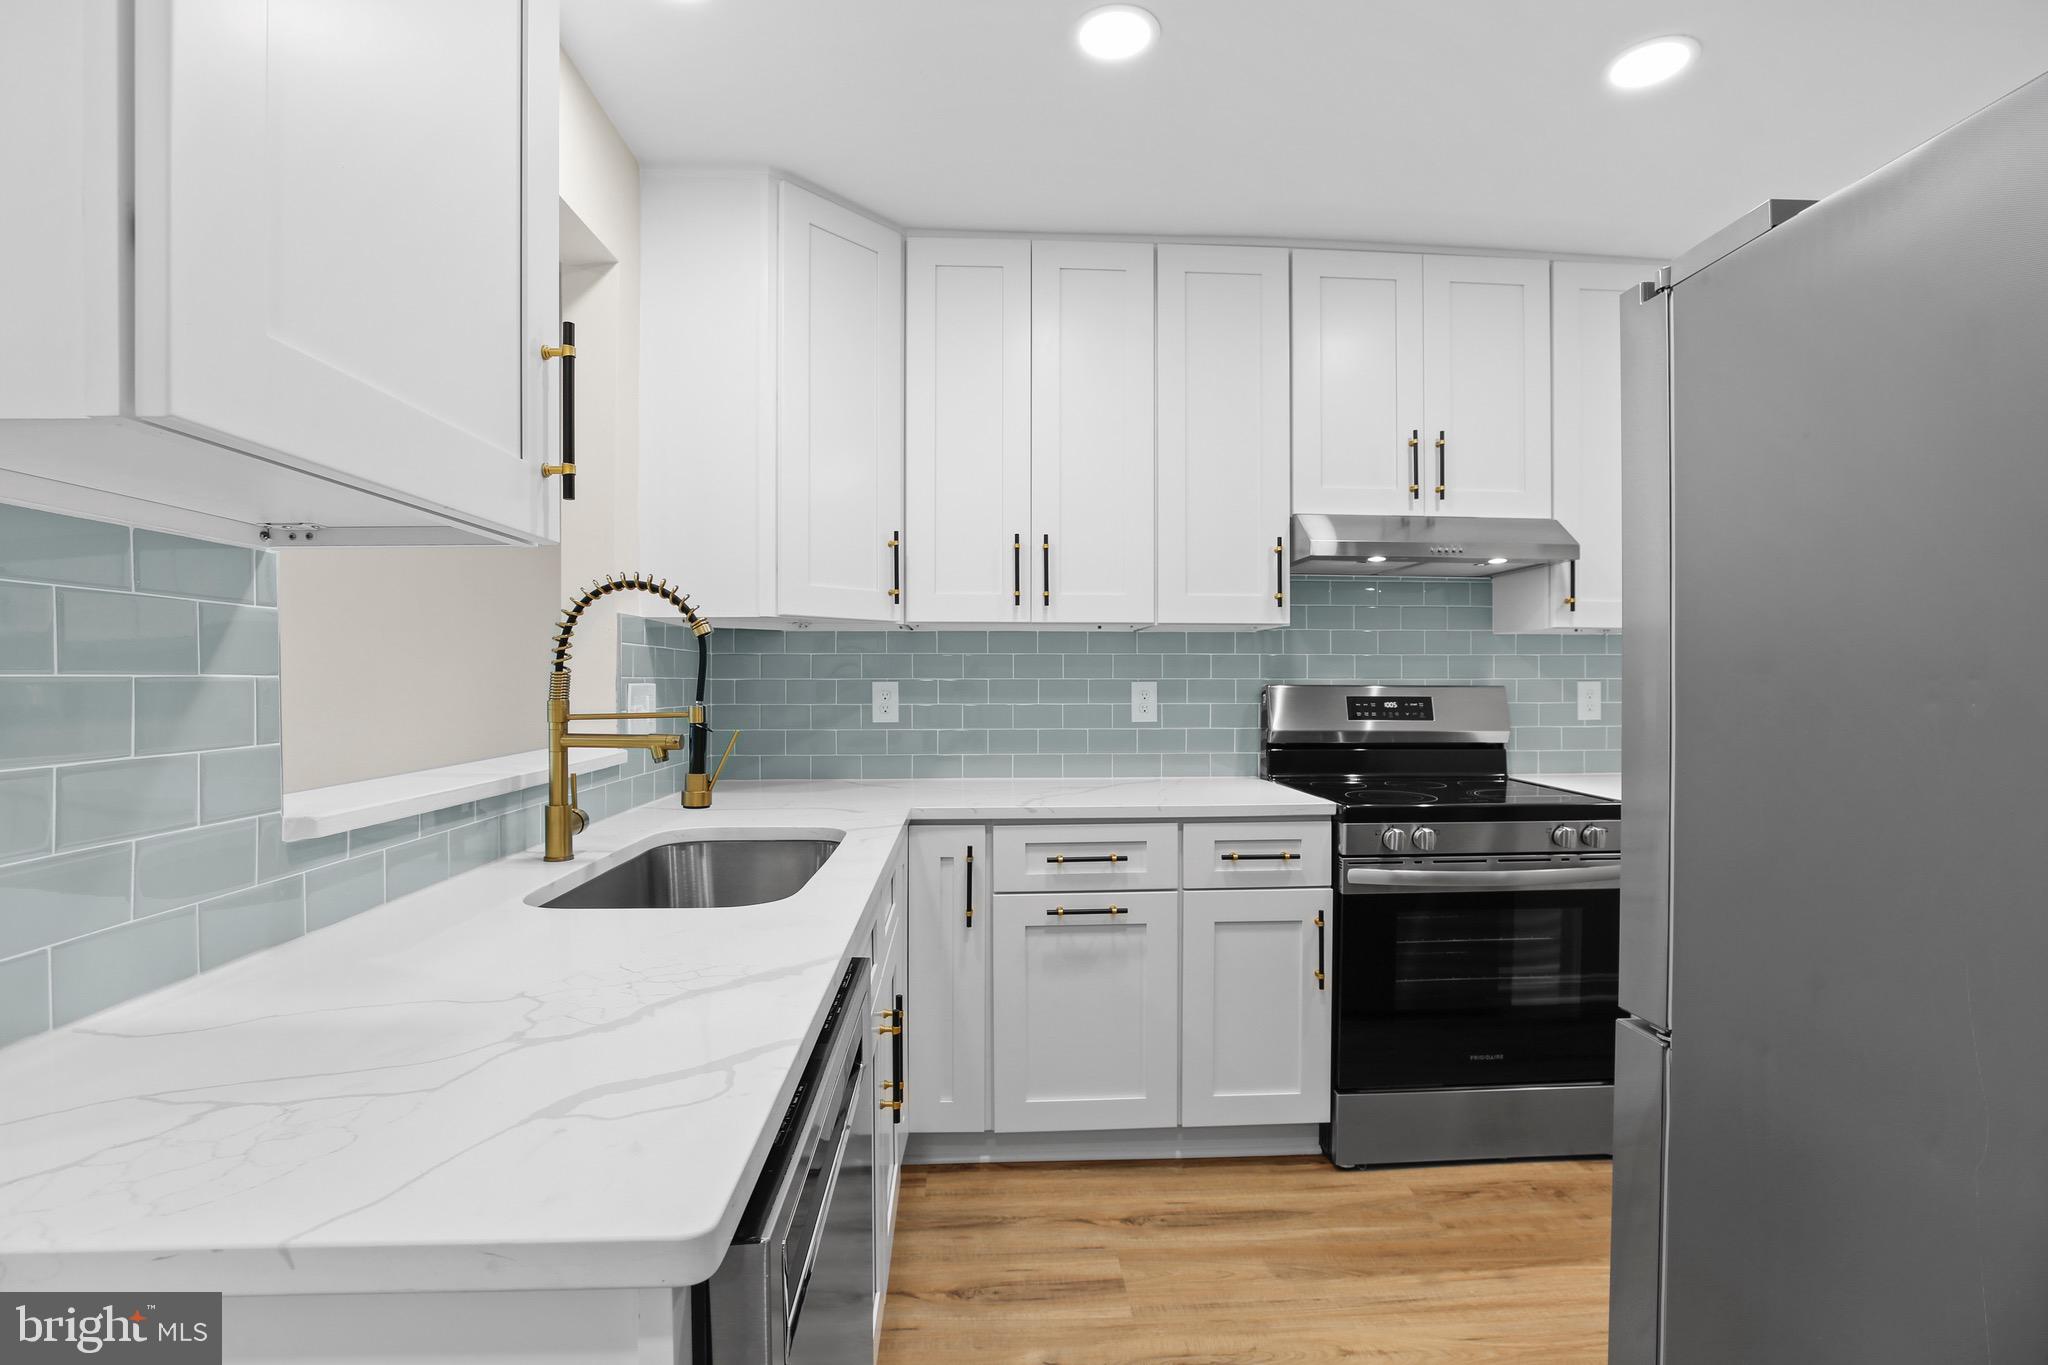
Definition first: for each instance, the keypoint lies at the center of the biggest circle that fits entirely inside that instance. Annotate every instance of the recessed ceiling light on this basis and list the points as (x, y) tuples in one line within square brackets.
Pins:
[(1652, 63), (1116, 33)]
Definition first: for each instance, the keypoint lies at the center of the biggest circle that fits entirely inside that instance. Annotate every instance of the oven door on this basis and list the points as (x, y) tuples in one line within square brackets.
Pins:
[(1471, 972)]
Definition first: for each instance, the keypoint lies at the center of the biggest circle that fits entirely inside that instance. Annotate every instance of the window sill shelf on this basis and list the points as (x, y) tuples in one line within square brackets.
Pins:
[(321, 811)]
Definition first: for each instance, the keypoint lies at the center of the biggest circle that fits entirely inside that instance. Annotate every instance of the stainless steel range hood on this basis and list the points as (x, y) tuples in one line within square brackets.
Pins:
[(1447, 547)]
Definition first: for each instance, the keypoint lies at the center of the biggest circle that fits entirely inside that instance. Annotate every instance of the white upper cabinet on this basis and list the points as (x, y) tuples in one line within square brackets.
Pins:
[(1357, 382), (342, 273), (1485, 387), (1223, 429), (839, 453), (1586, 462), (1092, 485), (967, 423)]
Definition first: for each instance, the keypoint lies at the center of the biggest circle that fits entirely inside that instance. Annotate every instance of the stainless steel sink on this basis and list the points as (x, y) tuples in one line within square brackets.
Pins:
[(702, 873)]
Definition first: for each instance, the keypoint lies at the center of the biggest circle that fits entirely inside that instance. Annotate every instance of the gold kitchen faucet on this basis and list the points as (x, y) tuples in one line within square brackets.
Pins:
[(565, 820)]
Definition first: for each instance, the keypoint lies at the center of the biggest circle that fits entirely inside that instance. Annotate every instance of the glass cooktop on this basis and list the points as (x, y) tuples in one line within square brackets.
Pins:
[(1396, 791)]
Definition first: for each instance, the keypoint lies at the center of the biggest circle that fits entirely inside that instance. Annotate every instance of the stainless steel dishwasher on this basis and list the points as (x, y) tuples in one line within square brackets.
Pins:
[(797, 1287)]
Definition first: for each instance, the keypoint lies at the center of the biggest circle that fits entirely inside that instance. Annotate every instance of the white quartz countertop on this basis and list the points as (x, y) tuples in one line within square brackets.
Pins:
[(1607, 785), (459, 1090)]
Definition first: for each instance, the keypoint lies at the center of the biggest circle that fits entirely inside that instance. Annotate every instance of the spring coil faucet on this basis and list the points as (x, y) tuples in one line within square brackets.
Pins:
[(564, 819)]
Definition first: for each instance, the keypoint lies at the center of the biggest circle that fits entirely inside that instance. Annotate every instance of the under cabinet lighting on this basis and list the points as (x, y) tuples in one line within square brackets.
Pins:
[(1498, 559), (1652, 63), (1116, 33), (1375, 559)]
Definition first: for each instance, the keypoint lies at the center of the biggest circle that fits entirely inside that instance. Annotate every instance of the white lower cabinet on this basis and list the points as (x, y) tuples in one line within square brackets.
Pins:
[(949, 929), (1255, 1007), (1087, 1011), (890, 985)]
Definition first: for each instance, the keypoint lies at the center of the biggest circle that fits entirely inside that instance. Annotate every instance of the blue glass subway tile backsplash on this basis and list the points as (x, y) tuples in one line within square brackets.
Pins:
[(140, 835)]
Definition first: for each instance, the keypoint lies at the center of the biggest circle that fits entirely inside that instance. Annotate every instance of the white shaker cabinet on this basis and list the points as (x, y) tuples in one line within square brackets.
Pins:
[(950, 930), (1223, 435), (967, 424), (839, 452), (889, 992), (771, 412), (1586, 470), (1086, 1015), (342, 271), (1357, 382), (1255, 1007), (1485, 387), (1092, 484)]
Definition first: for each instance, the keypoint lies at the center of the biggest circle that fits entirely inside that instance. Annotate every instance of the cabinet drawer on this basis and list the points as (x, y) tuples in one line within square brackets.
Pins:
[(1054, 858), (1256, 853)]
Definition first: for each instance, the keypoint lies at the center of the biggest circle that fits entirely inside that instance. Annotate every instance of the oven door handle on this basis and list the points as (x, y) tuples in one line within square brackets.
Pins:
[(1587, 875)]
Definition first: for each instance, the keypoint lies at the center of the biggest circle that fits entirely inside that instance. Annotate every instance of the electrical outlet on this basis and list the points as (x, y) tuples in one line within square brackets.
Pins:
[(885, 712), (1144, 701), (1589, 700), (640, 697)]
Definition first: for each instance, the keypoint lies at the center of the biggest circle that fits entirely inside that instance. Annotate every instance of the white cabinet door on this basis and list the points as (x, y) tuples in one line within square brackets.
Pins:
[(967, 427), (949, 929), (1486, 387), (1091, 432), (345, 240), (892, 1126), (1585, 359), (839, 455), (1256, 1004), (1223, 457), (1087, 1012), (1357, 382)]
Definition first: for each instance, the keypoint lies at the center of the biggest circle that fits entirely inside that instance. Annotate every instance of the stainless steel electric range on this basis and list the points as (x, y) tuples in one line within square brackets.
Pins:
[(1474, 943)]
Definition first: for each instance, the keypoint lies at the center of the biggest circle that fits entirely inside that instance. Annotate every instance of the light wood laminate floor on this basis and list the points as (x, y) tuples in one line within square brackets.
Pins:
[(1265, 1260)]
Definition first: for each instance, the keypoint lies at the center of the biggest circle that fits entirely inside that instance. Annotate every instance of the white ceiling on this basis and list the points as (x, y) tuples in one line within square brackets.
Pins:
[(1478, 123)]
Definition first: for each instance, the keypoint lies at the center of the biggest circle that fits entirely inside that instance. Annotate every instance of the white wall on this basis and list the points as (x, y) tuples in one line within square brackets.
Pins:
[(396, 660)]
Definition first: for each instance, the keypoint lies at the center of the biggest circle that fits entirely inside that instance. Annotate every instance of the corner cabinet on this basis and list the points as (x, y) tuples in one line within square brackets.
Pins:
[(1587, 462), (771, 410), (1421, 384), (1223, 435), (889, 985), (331, 309)]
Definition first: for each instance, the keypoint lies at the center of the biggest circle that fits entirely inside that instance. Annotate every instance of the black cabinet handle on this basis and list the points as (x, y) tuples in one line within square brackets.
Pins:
[(970, 886), (896, 1064), (1045, 570), (896, 565), (1415, 465), (1321, 982), (1571, 592), (1017, 568), (1087, 858), (566, 353), (1282, 857), (1279, 571), (1111, 910), (1443, 464)]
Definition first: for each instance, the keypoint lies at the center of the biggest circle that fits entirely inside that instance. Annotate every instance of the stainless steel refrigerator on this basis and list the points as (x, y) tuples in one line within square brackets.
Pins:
[(1832, 1097)]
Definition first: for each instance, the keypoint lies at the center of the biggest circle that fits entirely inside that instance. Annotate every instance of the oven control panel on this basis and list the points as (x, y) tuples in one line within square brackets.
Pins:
[(1391, 708), (1478, 838)]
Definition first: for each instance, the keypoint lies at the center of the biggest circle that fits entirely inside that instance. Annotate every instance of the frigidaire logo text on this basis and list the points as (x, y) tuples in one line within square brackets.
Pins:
[(90, 1332)]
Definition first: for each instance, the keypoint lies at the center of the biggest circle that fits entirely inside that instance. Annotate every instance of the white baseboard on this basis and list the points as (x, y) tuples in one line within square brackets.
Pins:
[(1134, 1144)]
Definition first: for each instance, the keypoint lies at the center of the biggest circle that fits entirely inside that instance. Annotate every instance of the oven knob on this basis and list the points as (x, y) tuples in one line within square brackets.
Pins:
[(1392, 839), (1564, 836), (1425, 839), (1592, 836)]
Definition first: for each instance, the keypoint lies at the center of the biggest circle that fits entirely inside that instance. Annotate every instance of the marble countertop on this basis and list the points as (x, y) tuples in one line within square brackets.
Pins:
[(459, 1090), (1606, 785)]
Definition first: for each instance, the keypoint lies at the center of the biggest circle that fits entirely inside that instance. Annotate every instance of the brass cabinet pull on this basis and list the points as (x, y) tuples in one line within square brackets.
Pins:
[(1281, 857), (896, 565), (1571, 592), (1321, 983), (890, 1030), (970, 886), (1415, 465), (1017, 568), (896, 1107), (1280, 571), (566, 353), (1045, 569), (1111, 910), (1086, 858), (1443, 459)]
